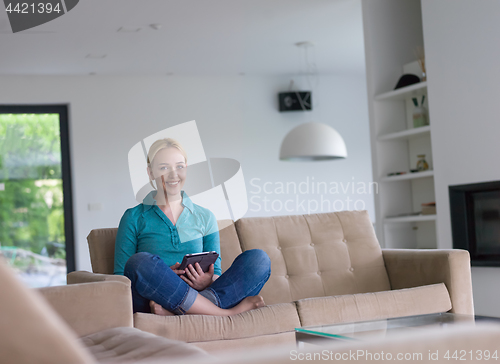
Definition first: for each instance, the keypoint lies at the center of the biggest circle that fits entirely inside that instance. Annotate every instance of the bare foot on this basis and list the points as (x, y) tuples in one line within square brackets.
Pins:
[(249, 303), (157, 309)]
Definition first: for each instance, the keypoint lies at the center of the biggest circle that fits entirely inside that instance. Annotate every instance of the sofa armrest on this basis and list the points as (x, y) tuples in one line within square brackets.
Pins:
[(417, 267), (83, 276), (91, 307)]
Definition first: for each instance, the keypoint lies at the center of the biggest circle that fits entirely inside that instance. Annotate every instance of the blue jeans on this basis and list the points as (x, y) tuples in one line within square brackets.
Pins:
[(153, 280)]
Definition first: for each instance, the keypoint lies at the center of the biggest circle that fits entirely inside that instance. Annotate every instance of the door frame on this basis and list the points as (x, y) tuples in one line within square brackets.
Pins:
[(62, 110)]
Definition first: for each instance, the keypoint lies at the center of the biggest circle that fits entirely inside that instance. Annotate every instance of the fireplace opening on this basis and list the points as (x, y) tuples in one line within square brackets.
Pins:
[(475, 221)]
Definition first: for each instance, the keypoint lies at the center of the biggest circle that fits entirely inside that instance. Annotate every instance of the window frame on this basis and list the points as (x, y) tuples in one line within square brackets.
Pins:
[(62, 110)]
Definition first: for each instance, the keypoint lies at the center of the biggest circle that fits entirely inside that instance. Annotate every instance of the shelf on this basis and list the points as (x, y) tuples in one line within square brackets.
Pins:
[(403, 92), (408, 176), (415, 218), (406, 134), (395, 144)]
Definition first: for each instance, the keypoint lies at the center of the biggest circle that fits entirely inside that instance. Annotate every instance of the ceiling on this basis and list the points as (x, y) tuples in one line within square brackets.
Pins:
[(197, 37)]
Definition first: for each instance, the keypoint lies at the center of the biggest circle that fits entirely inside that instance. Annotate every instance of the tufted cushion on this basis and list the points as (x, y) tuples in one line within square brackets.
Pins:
[(316, 255), (195, 328)]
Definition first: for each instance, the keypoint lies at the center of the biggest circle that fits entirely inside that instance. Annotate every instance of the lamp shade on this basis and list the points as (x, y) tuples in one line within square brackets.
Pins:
[(313, 142)]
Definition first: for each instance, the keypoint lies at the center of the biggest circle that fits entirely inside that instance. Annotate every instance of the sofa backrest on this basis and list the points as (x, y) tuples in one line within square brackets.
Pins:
[(102, 250), (102, 247), (316, 255), (230, 246), (311, 255)]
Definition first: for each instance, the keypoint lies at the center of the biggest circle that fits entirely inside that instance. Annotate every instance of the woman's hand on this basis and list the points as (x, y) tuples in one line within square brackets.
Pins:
[(198, 279), (177, 271)]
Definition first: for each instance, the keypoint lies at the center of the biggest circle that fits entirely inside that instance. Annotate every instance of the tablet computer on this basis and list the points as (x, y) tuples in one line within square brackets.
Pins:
[(203, 259)]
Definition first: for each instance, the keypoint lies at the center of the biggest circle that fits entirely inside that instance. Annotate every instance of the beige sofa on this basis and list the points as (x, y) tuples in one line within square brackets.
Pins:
[(43, 326), (326, 268), (82, 323)]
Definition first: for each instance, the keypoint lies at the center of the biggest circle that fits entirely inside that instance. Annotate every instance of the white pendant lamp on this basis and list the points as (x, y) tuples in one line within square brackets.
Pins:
[(313, 142)]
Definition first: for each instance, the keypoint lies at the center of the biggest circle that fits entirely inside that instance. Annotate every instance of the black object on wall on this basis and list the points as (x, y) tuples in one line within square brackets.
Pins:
[(295, 101), (475, 221)]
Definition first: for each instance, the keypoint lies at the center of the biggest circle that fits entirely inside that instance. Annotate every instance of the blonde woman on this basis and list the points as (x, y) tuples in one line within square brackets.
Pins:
[(149, 248)]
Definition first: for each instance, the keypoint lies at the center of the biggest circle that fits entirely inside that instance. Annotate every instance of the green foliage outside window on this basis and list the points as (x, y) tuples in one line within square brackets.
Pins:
[(31, 202)]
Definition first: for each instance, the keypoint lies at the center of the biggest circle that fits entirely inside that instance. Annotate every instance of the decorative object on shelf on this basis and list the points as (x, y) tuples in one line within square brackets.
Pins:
[(395, 174), (407, 80), (419, 113), (404, 214), (429, 208), (312, 141), (422, 164), (420, 52)]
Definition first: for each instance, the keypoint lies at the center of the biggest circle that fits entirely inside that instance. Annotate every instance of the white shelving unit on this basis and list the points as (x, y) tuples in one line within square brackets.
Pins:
[(393, 30)]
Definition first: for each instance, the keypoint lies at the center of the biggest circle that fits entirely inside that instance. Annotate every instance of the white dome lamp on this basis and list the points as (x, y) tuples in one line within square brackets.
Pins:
[(313, 142)]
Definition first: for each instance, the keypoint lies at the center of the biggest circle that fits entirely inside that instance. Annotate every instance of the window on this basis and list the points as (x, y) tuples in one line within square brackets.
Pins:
[(36, 219)]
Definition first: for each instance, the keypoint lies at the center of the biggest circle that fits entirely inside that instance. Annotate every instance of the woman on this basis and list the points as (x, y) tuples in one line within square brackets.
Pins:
[(154, 236)]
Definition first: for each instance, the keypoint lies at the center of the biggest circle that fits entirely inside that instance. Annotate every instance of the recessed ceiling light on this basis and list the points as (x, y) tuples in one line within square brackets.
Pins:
[(128, 30), (155, 26), (95, 56)]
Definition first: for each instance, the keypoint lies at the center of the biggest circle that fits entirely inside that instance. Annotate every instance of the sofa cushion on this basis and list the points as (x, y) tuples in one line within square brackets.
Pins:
[(127, 344), (283, 339), (316, 255), (374, 306), (30, 331), (194, 328)]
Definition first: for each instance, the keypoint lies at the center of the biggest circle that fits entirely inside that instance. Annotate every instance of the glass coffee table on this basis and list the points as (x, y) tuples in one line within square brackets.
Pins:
[(378, 328)]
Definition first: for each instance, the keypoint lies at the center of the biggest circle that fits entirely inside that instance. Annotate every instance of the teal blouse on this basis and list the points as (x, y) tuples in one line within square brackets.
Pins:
[(145, 228)]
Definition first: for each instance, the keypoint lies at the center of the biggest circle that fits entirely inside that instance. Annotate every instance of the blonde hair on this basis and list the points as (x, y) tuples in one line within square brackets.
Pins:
[(162, 144)]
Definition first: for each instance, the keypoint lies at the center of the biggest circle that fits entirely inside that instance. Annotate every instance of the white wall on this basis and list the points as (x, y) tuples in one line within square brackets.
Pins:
[(339, 101), (237, 118), (462, 55)]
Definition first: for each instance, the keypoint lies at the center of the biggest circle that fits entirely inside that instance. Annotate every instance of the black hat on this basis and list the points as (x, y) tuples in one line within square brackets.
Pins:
[(407, 80)]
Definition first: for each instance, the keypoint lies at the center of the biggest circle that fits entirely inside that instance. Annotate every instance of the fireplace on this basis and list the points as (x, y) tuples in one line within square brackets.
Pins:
[(475, 221)]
